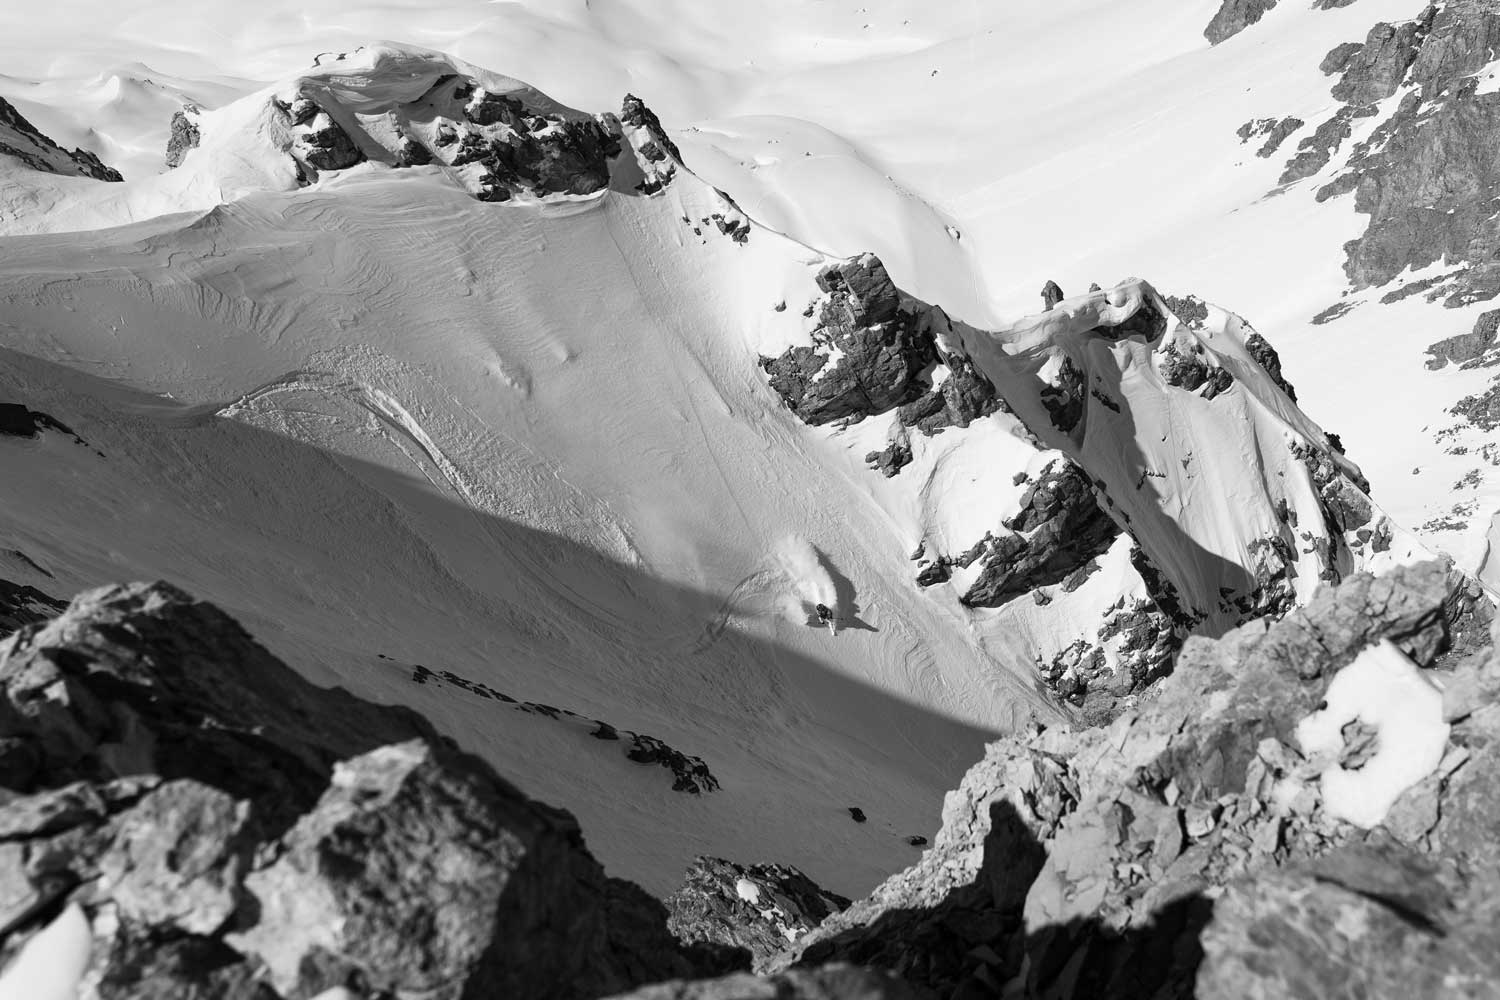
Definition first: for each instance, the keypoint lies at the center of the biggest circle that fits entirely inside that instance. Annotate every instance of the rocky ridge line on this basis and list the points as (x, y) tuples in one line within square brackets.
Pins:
[(24, 141)]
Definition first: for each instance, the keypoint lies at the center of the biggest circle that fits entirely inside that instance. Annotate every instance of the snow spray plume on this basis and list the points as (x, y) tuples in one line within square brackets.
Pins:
[(803, 567)]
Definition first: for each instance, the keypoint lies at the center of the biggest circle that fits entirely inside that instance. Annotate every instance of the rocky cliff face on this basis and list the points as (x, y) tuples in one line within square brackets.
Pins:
[(1216, 840), (1422, 173), (877, 352), (24, 141), (1302, 805), (212, 825)]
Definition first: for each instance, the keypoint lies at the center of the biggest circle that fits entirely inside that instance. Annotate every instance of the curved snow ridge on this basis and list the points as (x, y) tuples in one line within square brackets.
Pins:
[(1236, 497)]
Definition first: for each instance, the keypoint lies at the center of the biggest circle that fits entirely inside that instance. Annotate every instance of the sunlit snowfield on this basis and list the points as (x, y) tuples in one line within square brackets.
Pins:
[(532, 445)]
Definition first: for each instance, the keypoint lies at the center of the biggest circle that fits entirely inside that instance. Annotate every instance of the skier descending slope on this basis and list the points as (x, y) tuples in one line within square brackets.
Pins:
[(825, 615)]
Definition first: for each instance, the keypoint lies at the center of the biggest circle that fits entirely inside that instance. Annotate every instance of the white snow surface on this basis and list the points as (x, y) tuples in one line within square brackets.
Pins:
[(385, 424), (51, 964), (1383, 689)]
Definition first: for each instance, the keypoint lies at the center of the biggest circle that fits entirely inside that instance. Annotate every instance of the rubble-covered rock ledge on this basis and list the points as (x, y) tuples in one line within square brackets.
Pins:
[(1304, 809), (181, 815)]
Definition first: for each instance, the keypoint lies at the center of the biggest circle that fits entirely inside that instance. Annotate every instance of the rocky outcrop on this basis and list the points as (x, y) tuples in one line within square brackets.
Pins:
[(319, 142), (1233, 17), (1466, 347), (1059, 528), (1197, 840), (1265, 355), (688, 773), (184, 135), (756, 909), (1424, 176), (499, 144), (655, 150), (18, 421), (868, 355), (961, 398), (1374, 71), (222, 828), (1192, 371), (1051, 295), (1275, 133), (1317, 150), (22, 604), (25, 142)]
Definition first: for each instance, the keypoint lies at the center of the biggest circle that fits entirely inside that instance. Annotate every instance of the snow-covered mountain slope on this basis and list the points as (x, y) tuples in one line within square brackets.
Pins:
[(492, 435), (525, 444), (952, 141)]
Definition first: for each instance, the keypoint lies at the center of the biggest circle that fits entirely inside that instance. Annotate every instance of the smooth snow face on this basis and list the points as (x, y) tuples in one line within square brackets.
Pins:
[(1383, 689), (51, 964)]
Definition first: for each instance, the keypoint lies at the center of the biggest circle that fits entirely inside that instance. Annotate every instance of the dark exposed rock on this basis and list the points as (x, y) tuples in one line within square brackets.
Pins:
[(22, 140), (237, 841), (1482, 409), (1189, 308), (1051, 295), (1333, 312), (1265, 355), (933, 573), (18, 421), (1234, 16), (322, 144), (891, 459), (1146, 322), (1466, 346), (756, 908), (1425, 177), (964, 396), (1059, 528), (1315, 152), (1375, 71), (1277, 134), (413, 154), (633, 111), (1192, 372), (1338, 58), (1065, 399), (883, 351), (22, 605), (184, 135)]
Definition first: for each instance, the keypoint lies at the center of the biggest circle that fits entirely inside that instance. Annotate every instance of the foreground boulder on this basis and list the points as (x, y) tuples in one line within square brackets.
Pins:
[(222, 828)]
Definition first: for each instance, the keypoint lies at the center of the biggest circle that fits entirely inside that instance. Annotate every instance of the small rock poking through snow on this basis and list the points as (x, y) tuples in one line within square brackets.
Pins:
[(1383, 689)]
